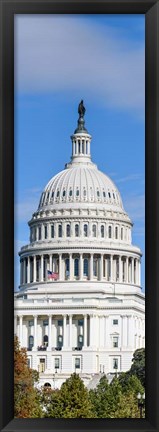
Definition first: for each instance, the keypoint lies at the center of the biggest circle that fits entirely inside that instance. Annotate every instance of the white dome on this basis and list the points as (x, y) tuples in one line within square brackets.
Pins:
[(81, 183)]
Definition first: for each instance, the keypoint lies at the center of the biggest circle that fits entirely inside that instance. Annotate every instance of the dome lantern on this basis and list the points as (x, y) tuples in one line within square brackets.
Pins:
[(81, 138)]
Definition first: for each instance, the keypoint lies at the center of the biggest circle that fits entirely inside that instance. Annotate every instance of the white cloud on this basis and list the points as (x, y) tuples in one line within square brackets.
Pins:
[(23, 210), (64, 53), (130, 177)]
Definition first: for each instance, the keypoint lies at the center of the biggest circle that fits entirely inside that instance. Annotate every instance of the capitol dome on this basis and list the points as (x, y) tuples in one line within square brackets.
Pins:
[(79, 306)]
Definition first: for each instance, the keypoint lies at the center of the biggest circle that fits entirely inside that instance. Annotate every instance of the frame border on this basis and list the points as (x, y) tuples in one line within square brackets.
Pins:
[(7, 10)]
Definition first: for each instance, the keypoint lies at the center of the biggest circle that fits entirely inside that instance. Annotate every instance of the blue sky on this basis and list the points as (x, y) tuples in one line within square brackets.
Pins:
[(59, 60)]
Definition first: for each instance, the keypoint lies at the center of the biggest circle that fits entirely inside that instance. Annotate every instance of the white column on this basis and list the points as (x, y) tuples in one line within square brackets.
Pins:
[(60, 266), (131, 331), (132, 270), (127, 269), (42, 268), (111, 268), (21, 330), (101, 267), (85, 330), (81, 267), (71, 267), (91, 267), (35, 333), (120, 269), (50, 262), (50, 332), (92, 330), (28, 275), (106, 331), (15, 324), (70, 331), (139, 273), (64, 331), (21, 272), (34, 277)]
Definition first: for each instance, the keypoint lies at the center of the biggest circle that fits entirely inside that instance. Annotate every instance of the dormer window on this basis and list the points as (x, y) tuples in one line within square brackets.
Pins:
[(70, 192), (85, 229), (64, 193), (68, 230), (52, 194), (94, 230), (98, 193), (104, 194), (77, 192), (109, 194)]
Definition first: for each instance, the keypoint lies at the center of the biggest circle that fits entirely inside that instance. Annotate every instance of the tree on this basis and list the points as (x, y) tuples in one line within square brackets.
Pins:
[(26, 396), (71, 401), (138, 365)]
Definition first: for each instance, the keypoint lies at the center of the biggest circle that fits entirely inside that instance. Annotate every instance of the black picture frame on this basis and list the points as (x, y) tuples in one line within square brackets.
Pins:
[(7, 10)]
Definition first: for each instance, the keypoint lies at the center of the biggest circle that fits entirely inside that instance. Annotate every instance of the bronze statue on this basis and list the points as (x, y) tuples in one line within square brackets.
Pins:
[(81, 109)]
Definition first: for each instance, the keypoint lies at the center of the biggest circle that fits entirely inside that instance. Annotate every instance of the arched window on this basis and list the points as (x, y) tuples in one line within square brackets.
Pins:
[(116, 233), (94, 230), (77, 230), (104, 194), (60, 230), (121, 233), (77, 192), (85, 267), (98, 193), (45, 340), (84, 192), (70, 192), (64, 193), (76, 267), (52, 195), (85, 229), (102, 230), (47, 385), (109, 231), (68, 230), (31, 342), (58, 193)]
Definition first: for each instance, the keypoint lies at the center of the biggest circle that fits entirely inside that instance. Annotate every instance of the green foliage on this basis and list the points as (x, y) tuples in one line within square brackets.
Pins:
[(71, 401), (138, 365), (26, 396)]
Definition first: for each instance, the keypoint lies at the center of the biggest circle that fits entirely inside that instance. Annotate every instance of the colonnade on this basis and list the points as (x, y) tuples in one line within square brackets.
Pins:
[(102, 267), (96, 331)]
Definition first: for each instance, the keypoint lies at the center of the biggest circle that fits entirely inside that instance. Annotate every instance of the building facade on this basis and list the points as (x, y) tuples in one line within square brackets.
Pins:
[(80, 306)]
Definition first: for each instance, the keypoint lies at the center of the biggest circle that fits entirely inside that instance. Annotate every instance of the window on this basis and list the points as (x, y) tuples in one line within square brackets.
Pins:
[(115, 363), (85, 228), (52, 231), (94, 230), (39, 233), (83, 146), (109, 231), (45, 231), (77, 192), (42, 365), (104, 194), (76, 230), (80, 322), (28, 362), (31, 323), (84, 192), (78, 146), (52, 194), (98, 193), (113, 195), (109, 195), (45, 322), (60, 230), (60, 341), (116, 232), (115, 341), (45, 340), (70, 192), (64, 193), (85, 266), (31, 342), (121, 233), (77, 363), (76, 267), (102, 231), (68, 230), (80, 341), (58, 193), (60, 323), (115, 322), (86, 147), (57, 363)]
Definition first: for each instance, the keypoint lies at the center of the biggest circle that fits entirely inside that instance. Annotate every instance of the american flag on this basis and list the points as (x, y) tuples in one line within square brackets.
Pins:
[(52, 275)]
